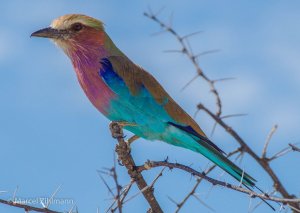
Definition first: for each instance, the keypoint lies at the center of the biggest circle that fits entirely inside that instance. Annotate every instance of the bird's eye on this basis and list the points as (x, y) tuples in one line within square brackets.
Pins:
[(77, 27)]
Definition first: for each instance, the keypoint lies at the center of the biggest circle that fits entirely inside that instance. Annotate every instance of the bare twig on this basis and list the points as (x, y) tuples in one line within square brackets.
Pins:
[(279, 154), (119, 188), (233, 133), (27, 208), (126, 191), (186, 50), (199, 180), (106, 184), (286, 150), (273, 130), (52, 196), (123, 194), (153, 164), (264, 163), (191, 193)]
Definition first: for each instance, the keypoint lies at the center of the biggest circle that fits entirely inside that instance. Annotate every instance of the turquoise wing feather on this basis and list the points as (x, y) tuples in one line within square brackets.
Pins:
[(140, 99)]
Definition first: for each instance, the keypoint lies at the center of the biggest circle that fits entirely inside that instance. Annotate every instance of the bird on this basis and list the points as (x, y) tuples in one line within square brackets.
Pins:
[(124, 92)]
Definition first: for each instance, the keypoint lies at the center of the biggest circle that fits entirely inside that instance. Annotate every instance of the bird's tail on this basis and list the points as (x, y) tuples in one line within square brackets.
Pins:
[(228, 166), (201, 144), (187, 137)]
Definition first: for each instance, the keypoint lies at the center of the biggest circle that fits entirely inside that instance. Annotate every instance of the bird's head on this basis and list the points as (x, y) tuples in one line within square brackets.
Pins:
[(74, 31)]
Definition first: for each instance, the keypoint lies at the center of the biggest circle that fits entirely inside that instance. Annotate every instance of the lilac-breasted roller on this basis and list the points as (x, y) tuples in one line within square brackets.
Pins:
[(123, 91)]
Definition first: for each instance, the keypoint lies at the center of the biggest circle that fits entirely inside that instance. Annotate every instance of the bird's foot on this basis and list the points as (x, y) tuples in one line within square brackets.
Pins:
[(116, 128)]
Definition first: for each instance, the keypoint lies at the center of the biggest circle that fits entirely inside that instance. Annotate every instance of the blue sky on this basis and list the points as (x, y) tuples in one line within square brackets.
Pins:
[(51, 135)]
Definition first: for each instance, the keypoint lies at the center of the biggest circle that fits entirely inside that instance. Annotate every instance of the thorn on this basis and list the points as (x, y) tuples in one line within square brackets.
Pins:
[(52, 196), (105, 183), (15, 193), (196, 113), (203, 203), (207, 52), (189, 82), (234, 115), (213, 129), (192, 34), (224, 79), (242, 178), (173, 201)]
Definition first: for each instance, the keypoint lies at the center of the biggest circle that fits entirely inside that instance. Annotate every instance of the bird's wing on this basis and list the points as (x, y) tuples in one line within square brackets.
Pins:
[(137, 79)]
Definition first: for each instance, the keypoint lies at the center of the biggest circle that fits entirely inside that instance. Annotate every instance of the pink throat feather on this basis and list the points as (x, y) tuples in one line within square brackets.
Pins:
[(85, 57)]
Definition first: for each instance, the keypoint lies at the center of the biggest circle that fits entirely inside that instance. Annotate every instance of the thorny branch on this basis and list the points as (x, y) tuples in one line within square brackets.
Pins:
[(27, 208), (121, 192), (186, 50), (262, 161), (119, 187), (152, 164), (199, 180), (136, 173), (273, 130), (30, 208)]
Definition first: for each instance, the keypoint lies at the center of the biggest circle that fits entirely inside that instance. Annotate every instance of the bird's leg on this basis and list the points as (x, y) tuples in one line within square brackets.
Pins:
[(124, 123), (132, 138), (119, 124), (116, 128), (118, 133)]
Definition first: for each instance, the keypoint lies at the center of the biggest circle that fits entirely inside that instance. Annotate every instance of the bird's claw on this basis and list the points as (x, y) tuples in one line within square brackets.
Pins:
[(116, 128)]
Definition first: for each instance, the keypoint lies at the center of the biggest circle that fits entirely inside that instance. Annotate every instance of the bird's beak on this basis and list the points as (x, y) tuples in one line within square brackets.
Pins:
[(49, 32)]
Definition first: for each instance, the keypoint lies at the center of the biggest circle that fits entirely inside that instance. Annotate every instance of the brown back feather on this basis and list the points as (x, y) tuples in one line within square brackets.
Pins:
[(134, 76)]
